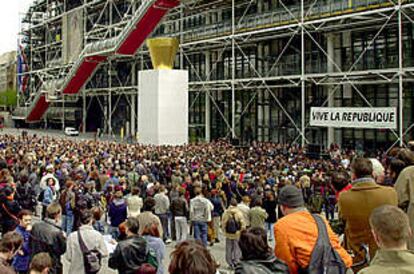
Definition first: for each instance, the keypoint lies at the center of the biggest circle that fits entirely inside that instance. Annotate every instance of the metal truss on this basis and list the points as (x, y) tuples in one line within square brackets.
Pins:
[(297, 25), (306, 27)]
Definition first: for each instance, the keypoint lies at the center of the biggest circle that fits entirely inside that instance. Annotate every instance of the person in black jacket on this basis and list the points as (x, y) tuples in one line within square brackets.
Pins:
[(269, 204), (25, 192), (48, 237), (130, 253), (179, 210), (257, 256), (9, 208)]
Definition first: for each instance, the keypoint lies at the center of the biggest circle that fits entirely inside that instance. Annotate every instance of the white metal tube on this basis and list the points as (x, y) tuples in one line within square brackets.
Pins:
[(400, 76), (233, 72), (303, 87)]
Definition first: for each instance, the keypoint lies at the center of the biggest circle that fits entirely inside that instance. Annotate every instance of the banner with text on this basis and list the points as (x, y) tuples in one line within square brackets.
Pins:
[(385, 117)]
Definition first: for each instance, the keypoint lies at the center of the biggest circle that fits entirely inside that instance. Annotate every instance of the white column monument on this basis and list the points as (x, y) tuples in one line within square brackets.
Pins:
[(163, 97)]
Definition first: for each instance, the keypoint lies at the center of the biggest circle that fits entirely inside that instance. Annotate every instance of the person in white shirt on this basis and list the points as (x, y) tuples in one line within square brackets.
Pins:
[(200, 215), (244, 207), (134, 203), (93, 241)]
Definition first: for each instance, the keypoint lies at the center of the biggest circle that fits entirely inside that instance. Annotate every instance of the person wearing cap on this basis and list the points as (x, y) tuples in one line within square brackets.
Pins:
[(296, 233)]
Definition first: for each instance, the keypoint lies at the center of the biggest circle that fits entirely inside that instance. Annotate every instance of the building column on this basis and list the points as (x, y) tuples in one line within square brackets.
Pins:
[(84, 111), (207, 125), (330, 68), (260, 7), (266, 52), (134, 101), (260, 58), (133, 112), (260, 115)]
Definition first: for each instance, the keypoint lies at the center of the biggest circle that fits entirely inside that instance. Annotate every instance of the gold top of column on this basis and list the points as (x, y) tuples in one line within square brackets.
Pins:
[(162, 51)]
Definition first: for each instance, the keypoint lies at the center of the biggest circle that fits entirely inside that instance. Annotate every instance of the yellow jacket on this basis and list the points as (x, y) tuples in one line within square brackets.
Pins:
[(232, 210)]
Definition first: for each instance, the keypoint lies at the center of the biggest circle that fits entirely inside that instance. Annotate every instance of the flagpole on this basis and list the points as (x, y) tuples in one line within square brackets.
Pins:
[(17, 74)]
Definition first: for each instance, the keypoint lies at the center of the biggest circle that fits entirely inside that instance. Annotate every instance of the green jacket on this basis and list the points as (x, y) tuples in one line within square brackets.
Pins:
[(387, 262)]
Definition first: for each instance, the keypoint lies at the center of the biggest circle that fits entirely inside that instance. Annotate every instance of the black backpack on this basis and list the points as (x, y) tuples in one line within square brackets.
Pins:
[(92, 259), (41, 196), (232, 225), (324, 258)]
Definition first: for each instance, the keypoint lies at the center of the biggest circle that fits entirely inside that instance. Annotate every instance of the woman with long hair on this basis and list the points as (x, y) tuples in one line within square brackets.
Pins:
[(257, 256)]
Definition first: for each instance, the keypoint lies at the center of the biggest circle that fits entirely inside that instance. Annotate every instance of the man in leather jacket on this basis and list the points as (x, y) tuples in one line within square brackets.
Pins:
[(47, 236), (130, 253)]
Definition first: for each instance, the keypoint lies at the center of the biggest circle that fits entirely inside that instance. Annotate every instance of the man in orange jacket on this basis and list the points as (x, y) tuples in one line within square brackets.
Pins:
[(297, 232)]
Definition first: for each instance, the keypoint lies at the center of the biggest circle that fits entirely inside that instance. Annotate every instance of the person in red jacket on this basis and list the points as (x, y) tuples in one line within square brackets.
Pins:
[(340, 182)]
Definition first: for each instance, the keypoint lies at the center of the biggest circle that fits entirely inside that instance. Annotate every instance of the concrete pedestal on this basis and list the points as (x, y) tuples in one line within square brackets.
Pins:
[(163, 107)]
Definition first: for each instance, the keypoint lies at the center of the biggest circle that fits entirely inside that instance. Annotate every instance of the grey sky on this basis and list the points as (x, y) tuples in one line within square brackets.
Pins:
[(9, 22)]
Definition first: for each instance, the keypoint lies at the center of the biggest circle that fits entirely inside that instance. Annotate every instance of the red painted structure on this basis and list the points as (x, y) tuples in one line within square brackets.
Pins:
[(131, 43), (84, 72), (39, 109)]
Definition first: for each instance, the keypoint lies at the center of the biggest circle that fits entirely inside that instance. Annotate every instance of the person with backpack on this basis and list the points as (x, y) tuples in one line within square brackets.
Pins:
[(133, 252), (156, 244), (86, 247), (25, 192), (301, 238), (232, 225)]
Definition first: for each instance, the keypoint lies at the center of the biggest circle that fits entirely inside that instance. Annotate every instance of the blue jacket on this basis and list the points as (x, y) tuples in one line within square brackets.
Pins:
[(21, 262), (117, 212), (48, 196), (158, 246), (218, 208)]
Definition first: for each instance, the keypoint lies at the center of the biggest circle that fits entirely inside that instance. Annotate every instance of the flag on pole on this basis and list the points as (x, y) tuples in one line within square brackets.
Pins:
[(22, 67)]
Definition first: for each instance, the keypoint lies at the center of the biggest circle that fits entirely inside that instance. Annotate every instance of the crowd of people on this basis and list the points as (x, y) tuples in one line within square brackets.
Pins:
[(278, 209)]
